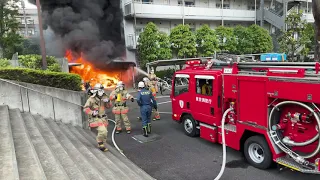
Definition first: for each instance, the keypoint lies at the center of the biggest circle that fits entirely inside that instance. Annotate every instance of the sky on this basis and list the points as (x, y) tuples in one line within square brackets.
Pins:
[(29, 5)]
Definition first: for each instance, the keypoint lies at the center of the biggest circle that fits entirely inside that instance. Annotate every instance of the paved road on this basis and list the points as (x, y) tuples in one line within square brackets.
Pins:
[(179, 157)]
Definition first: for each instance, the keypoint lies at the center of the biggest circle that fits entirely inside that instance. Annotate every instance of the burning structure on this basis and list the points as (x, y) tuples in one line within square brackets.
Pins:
[(90, 33)]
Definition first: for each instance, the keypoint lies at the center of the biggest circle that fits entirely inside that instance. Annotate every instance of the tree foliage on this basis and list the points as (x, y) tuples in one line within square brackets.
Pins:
[(296, 39), (183, 41), (10, 41), (207, 42), (153, 45), (34, 61), (244, 39), (4, 63), (261, 38), (226, 38), (30, 46)]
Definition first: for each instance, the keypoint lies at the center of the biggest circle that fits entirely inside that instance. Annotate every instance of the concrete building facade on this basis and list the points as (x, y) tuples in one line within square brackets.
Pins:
[(167, 14), (28, 22)]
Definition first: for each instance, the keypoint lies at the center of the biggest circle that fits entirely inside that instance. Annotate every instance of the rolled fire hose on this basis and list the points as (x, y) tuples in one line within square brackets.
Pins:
[(300, 143), (224, 148), (112, 137)]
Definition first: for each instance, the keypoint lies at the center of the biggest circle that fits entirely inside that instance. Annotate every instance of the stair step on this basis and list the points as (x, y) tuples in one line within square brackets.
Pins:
[(51, 166), (8, 161), (106, 172), (115, 156), (86, 167), (29, 166), (106, 161), (72, 170)]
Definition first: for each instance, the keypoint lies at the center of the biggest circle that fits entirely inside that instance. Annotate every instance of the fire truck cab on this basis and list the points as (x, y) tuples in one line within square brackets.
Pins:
[(274, 117)]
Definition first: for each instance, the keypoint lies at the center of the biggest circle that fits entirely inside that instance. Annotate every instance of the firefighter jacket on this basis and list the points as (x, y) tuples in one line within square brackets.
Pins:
[(145, 98), (152, 88), (94, 103), (119, 99)]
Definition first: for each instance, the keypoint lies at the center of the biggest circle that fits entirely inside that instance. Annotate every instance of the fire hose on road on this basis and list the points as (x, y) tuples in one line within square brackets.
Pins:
[(224, 148)]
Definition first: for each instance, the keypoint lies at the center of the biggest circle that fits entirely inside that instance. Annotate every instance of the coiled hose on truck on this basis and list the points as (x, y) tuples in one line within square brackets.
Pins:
[(224, 148), (276, 136)]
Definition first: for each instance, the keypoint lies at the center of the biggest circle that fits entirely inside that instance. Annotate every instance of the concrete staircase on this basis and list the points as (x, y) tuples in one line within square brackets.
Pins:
[(35, 148)]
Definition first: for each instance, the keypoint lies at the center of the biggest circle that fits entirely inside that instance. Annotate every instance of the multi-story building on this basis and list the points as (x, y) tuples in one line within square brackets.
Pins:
[(167, 14), (28, 22)]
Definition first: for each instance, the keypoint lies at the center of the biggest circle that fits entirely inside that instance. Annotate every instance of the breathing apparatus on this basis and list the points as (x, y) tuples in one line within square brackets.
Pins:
[(98, 90)]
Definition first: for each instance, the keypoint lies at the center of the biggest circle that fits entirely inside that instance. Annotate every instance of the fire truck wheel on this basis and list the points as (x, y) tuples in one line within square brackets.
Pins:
[(190, 126), (257, 152)]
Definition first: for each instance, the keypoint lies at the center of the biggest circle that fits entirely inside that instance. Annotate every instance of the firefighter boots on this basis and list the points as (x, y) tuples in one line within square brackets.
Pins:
[(101, 147), (149, 128), (145, 131)]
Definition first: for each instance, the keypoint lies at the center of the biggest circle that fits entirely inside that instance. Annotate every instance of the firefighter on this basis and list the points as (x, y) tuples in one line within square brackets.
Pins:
[(148, 84), (153, 79), (95, 108), (206, 88), (146, 101), (119, 97)]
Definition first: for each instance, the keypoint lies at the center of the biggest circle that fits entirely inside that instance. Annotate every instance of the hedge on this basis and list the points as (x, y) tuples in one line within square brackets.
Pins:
[(45, 78)]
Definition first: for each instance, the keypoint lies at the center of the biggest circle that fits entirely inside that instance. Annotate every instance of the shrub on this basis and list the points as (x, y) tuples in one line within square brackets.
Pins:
[(45, 78), (34, 61), (4, 63), (165, 73)]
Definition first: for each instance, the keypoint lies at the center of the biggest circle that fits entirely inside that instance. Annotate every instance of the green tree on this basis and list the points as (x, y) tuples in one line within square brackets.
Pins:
[(244, 39), (30, 46), (10, 41), (164, 51), (183, 41), (153, 45), (207, 42), (226, 38), (261, 38), (4, 63), (34, 61), (295, 40)]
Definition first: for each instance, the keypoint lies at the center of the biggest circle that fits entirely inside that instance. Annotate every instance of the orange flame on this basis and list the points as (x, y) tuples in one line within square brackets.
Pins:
[(89, 73)]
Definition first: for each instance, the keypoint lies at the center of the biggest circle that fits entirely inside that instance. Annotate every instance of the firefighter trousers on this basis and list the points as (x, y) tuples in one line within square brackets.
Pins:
[(145, 111), (100, 125), (155, 114), (120, 112)]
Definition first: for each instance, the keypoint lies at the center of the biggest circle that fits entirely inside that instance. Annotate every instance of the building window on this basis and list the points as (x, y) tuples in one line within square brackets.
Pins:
[(186, 2), (181, 84), (204, 86)]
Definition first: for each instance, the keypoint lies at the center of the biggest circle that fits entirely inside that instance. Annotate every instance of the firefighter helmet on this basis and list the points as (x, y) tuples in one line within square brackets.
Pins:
[(141, 84), (98, 89)]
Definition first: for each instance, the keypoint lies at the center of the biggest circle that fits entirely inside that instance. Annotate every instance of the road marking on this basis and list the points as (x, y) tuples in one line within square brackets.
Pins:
[(137, 140), (164, 102), (159, 97), (165, 112)]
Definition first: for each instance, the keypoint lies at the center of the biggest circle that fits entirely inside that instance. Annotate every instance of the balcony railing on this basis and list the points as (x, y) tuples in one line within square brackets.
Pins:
[(131, 41), (143, 10)]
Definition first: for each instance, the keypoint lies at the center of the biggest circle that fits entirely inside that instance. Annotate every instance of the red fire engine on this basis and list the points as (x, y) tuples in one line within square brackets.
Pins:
[(273, 109)]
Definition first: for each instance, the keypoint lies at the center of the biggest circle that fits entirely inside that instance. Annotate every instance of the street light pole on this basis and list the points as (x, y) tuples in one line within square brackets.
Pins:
[(42, 43)]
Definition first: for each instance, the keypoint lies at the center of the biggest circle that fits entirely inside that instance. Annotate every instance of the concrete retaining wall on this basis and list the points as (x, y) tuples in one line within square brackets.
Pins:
[(59, 104)]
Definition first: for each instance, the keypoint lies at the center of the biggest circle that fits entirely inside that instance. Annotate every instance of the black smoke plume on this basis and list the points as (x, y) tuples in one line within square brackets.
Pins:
[(91, 27)]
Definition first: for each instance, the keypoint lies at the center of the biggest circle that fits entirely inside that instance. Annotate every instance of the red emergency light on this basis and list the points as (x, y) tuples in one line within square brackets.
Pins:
[(193, 62)]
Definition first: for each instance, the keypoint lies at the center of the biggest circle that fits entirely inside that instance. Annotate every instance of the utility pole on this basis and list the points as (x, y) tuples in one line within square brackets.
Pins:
[(25, 19), (222, 20), (42, 43), (255, 12), (183, 11)]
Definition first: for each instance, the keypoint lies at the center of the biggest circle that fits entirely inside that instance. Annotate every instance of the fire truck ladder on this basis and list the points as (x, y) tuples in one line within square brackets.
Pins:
[(310, 69)]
